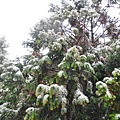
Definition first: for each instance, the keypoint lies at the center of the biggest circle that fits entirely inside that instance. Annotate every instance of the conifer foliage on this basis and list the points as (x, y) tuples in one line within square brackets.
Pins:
[(78, 78)]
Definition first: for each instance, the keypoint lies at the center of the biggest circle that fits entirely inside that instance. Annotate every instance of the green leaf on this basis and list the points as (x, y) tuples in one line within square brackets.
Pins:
[(26, 117), (57, 80), (51, 107), (51, 80)]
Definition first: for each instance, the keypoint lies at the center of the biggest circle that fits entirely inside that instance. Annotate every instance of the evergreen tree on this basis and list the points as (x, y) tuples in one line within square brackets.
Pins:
[(3, 51), (73, 80), (66, 77)]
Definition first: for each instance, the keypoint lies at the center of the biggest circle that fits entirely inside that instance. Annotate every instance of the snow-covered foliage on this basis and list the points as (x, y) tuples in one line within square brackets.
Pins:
[(7, 113), (73, 79), (80, 98)]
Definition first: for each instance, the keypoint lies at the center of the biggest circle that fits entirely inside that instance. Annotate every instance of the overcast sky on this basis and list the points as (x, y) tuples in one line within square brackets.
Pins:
[(16, 19), (18, 16)]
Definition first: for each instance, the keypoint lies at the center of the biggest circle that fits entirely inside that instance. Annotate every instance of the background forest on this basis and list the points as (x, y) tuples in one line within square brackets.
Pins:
[(77, 77)]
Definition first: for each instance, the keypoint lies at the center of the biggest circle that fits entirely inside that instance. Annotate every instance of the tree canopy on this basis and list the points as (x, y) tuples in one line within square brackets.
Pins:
[(78, 78)]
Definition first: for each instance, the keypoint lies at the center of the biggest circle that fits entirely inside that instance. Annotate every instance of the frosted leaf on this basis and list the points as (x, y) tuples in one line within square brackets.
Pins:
[(67, 55), (72, 49), (61, 65), (46, 59), (76, 79), (10, 68), (101, 85), (84, 11), (42, 35), (74, 13), (54, 88), (60, 73), (1, 90), (61, 41), (92, 11), (117, 116), (51, 35), (33, 61), (79, 64), (3, 75), (83, 58), (91, 70), (80, 98), (47, 89), (39, 97), (76, 55), (27, 67), (102, 88), (87, 65), (64, 101), (91, 56), (89, 86), (35, 68), (41, 88), (75, 31), (19, 74), (21, 95), (116, 72), (15, 79), (56, 46), (30, 110), (74, 102), (8, 114), (109, 80), (7, 89), (45, 99), (80, 87), (63, 91), (63, 110), (4, 105), (15, 68), (79, 48), (57, 23), (108, 94), (29, 79), (77, 93), (20, 105)]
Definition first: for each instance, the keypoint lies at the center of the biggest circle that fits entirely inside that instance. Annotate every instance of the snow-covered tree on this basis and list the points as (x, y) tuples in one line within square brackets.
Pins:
[(3, 51), (73, 79), (78, 57)]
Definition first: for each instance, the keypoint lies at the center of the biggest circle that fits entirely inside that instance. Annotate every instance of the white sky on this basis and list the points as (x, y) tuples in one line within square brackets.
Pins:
[(16, 19)]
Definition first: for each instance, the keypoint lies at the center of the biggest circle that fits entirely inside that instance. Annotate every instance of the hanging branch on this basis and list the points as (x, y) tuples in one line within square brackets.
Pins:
[(92, 33), (69, 33), (116, 21)]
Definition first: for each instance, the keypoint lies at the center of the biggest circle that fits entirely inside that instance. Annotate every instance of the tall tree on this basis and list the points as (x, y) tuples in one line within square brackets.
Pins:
[(72, 81), (68, 74), (3, 51)]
